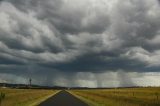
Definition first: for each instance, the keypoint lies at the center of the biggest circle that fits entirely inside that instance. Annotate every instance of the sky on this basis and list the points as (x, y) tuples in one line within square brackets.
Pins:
[(80, 43)]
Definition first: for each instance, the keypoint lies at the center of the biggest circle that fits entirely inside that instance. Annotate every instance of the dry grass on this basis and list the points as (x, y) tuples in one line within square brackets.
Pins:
[(25, 97), (120, 97)]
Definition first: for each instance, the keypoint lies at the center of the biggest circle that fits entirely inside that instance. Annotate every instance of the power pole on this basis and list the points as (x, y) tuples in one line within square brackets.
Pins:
[(30, 82)]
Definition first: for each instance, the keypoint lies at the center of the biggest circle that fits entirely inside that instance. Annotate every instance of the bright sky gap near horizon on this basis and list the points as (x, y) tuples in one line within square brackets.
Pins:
[(86, 43)]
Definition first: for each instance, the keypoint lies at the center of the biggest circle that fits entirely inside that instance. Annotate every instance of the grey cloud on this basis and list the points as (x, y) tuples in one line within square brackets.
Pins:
[(136, 21), (27, 33), (71, 36), (69, 18)]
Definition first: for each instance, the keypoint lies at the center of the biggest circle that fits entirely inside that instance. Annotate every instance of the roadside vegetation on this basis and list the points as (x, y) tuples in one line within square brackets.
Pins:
[(2, 96), (119, 96), (24, 97)]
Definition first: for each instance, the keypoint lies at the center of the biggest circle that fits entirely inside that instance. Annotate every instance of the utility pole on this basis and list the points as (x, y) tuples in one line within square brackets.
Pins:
[(30, 82)]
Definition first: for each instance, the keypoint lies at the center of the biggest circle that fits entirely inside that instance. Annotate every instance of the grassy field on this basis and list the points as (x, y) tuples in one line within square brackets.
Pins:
[(25, 97), (120, 97)]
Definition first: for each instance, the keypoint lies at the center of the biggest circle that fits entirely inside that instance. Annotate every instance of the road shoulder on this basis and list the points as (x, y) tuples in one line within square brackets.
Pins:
[(39, 101)]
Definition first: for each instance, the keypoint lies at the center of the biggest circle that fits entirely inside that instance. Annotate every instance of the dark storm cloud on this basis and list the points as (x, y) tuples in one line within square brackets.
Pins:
[(96, 63), (4, 60), (58, 37)]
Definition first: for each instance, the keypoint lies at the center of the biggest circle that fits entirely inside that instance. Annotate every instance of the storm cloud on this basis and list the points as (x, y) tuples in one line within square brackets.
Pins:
[(58, 42)]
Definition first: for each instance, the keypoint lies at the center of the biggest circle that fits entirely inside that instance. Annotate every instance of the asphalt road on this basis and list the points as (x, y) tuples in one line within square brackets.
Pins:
[(63, 98)]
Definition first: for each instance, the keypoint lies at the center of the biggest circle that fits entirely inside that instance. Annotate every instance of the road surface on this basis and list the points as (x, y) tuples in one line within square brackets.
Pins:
[(63, 98)]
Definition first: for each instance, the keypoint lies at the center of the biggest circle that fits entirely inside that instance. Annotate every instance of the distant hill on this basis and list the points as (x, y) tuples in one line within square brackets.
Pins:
[(25, 86)]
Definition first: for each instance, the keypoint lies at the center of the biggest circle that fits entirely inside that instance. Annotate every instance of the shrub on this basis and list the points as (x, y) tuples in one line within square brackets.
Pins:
[(2, 96)]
